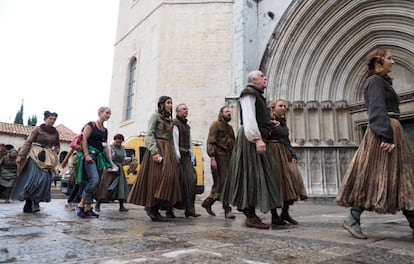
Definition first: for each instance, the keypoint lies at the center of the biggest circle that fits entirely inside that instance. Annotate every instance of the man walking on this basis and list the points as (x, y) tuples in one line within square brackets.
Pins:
[(184, 149), (220, 144), (253, 180)]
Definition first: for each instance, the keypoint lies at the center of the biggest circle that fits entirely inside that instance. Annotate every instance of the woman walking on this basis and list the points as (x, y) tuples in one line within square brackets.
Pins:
[(291, 182), (93, 159), (114, 185), (37, 159), (8, 173), (380, 177), (158, 182)]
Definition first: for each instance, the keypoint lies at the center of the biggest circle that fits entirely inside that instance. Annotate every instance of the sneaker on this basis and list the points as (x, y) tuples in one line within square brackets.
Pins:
[(69, 207), (91, 213), (80, 211)]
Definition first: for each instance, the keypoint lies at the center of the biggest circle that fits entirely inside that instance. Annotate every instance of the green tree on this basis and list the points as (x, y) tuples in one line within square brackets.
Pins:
[(32, 121), (19, 115)]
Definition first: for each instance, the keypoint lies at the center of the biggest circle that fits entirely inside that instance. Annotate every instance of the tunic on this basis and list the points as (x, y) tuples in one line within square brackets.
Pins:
[(220, 143), (253, 179)]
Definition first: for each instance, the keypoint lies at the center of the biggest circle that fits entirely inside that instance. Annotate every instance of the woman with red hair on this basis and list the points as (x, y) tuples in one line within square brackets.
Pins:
[(380, 177)]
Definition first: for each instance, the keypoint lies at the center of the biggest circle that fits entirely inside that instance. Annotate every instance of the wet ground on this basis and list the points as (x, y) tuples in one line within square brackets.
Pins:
[(54, 235)]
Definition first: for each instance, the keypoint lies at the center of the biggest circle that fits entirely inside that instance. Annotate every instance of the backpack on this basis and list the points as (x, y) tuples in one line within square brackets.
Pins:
[(76, 143)]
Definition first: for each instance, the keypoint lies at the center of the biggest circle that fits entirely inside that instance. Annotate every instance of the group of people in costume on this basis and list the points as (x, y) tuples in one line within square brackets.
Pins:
[(257, 169)]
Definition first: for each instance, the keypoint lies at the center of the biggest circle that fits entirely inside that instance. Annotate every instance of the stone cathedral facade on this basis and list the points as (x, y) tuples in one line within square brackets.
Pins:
[(200, 52)]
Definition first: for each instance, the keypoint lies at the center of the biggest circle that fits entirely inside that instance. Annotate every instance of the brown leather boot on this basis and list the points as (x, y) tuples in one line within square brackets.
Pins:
[(256, 223), (228, 213), (207, 203)]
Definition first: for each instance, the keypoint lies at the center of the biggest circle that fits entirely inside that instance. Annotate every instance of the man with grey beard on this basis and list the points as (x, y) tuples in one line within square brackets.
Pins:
[(220, 144)]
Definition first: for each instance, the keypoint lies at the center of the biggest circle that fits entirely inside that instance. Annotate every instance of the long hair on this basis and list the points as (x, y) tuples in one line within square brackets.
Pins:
[(220, 114), (161, 106), (374, 58)]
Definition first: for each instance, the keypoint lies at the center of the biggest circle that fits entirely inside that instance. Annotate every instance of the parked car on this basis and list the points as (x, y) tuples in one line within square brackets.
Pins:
[(135, 149)]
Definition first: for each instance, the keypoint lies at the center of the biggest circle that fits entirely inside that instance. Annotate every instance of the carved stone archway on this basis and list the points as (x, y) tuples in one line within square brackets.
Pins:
[(315, 60)]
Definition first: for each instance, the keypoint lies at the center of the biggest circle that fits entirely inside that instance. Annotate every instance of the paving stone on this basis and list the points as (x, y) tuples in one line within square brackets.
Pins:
[(58, 236)]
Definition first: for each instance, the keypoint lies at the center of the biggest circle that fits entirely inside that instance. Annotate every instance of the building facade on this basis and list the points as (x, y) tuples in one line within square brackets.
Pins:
[(200, 52)]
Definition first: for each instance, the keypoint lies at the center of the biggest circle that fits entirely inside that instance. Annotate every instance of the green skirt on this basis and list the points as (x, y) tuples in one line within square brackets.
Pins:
[(253, 179)]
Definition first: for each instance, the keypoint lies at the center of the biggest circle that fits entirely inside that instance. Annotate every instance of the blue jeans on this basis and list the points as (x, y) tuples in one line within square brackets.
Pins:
[(93, 182)]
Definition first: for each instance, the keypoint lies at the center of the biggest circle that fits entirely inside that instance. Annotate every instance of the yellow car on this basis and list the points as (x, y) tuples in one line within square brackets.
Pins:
[(135, 149)]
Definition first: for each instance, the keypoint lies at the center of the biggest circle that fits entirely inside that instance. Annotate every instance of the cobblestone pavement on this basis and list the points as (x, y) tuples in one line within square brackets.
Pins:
[(54, 235)]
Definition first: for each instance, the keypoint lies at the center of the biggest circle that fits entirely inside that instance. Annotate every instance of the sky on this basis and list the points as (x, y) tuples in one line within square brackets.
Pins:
[(56, 55)]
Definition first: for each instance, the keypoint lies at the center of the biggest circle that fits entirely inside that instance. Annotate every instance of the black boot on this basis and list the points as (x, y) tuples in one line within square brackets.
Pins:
[(27, 208), (170, 213), (35, 206), (207, 203), (151, 213), (285, 214), (410, 218), (98, 206), (276, 220), (121, 206), (154, 214)]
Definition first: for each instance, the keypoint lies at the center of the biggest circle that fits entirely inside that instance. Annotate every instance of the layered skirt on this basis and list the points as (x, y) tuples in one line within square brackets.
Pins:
[(33, 183), (7, 177), (157, 183), (377, 180), (253, 179), (291, 182)]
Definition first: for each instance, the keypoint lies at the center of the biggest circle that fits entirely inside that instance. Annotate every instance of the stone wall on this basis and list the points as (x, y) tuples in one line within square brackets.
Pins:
[(183, 49)]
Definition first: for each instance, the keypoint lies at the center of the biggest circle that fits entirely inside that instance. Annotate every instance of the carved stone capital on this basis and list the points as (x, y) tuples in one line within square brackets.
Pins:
[(300, 141), (327, 105), (312, 105), (314, 142), (298, 105), (343, 141), (341, 105)]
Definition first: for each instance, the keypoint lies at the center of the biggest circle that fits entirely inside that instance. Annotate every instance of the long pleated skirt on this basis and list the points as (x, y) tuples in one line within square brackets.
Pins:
[(253, 179), (113, 185), (291, 182), (377, 180), (157, 183), (33, 183)]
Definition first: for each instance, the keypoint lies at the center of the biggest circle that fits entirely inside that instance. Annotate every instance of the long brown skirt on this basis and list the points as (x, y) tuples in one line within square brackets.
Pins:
[(157, 183), (291, 182), (377, 180)]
